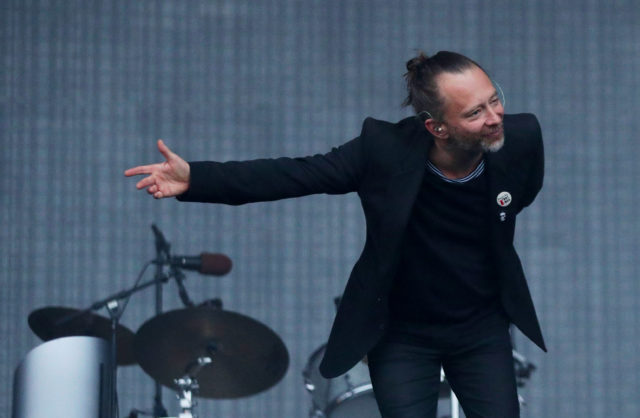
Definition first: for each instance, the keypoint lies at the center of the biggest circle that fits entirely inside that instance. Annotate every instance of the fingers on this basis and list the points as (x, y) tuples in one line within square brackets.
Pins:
[(141, 169), (155, 192), (146, 182), (148, 169), (153, 189), (156, 172)]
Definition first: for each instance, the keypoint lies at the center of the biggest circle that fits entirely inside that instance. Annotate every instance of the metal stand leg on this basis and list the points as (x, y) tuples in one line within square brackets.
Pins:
[(455, 406), (188, 385)]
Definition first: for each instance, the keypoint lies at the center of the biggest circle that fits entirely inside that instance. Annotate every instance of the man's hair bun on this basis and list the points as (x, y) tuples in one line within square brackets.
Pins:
[(416, 64)]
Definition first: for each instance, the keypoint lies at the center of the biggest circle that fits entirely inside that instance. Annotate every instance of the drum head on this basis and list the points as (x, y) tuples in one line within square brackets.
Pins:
[(346, 396)]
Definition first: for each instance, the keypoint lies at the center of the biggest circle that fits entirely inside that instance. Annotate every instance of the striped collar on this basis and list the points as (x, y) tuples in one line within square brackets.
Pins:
[(474, 174)]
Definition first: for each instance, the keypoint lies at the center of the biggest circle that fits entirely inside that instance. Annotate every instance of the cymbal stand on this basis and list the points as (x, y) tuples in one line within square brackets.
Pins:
[(523, 368), (455, 404), (163, 253), (188, 385), (115, 312)]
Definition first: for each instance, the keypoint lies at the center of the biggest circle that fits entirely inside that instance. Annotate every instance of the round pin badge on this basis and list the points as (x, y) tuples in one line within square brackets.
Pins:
[(504, 199)]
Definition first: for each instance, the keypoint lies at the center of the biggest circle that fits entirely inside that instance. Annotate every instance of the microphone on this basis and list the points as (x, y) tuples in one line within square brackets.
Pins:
[(161, 242), (205, 263)]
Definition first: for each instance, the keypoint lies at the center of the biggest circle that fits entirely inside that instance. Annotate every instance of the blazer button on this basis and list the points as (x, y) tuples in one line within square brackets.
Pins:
[(379, 299), (381, 327)]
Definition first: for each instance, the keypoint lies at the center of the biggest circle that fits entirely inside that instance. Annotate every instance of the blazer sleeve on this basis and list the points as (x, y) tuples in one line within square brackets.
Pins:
[(536, 172), (239, 182)]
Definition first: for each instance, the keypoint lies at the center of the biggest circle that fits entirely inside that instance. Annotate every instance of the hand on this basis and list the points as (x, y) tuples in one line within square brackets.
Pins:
[(166, 179)]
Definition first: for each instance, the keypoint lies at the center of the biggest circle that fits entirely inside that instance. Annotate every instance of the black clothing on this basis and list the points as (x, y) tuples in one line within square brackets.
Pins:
[(445, 310), (445, 276), (406, 375), (385, 165)]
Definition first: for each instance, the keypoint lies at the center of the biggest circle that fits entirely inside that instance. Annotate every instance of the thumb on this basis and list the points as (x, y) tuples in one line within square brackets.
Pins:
[(164, 150)]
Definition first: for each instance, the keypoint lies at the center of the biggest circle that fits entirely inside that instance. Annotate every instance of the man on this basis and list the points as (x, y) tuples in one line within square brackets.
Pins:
[(438, 281)]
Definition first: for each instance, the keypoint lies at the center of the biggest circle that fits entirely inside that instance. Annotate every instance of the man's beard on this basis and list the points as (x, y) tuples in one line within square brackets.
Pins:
[(493, 146), (475, 142)]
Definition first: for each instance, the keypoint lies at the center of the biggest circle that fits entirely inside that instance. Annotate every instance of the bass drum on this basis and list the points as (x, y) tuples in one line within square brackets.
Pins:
[(347, 396)]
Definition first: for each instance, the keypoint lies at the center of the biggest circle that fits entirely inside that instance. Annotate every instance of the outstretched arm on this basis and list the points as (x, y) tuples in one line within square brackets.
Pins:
[(267, 179), (166, 179)]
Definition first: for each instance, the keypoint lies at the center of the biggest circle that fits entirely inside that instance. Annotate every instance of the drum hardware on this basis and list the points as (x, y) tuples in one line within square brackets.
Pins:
[(64, 377), (188, 385), (215, 303), (217, 265), (54, 322), (249, 356), (521, 401), (163, 253), (348, 381), (135, 413), (523, 368), (349, 395), (447, 392), (179, 277)]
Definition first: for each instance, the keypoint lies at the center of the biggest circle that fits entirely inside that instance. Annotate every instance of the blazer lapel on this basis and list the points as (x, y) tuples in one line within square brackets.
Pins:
[(404, 187)]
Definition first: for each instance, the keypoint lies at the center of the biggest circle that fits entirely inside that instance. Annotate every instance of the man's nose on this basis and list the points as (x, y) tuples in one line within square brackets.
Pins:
[(495, 115)]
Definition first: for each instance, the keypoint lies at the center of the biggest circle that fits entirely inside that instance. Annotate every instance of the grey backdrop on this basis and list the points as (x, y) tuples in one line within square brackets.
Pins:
[(88, 86)]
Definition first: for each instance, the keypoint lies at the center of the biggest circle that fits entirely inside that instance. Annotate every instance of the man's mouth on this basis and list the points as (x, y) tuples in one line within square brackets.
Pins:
[(495, 133)]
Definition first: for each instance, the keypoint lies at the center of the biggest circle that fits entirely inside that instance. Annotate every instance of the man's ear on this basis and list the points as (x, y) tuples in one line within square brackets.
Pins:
[(437, 129)]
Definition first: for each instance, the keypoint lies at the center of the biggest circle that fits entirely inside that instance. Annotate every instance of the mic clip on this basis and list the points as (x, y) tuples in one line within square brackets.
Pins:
[(179, 277)]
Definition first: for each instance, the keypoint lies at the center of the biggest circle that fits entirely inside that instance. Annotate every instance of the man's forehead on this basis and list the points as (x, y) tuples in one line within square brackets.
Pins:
[(465, 88)]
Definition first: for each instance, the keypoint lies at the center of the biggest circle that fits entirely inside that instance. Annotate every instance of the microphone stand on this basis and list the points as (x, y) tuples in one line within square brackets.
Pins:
[(163, 251), (116, 310)]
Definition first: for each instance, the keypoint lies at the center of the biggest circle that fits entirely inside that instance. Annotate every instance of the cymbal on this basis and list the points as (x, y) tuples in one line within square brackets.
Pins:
[(247, 356), (47, 324)]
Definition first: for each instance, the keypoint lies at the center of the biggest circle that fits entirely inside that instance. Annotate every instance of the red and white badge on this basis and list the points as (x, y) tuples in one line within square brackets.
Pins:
[(504, 199)]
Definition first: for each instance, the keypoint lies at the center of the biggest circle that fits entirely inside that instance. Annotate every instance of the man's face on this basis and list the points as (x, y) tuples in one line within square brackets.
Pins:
[(472, 111)]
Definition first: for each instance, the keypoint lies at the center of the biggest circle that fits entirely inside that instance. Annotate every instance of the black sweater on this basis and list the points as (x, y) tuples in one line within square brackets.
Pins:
[(445, 282)]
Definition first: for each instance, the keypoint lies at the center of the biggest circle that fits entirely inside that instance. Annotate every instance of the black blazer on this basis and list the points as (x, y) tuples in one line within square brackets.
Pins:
[(385, 165)]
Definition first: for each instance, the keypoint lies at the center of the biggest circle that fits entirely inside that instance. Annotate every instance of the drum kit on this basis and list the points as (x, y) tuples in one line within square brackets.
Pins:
[(198, 351), (206, 351)]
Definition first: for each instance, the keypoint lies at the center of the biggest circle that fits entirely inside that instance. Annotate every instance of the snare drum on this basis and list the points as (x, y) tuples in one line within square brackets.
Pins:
[(347, 396)]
